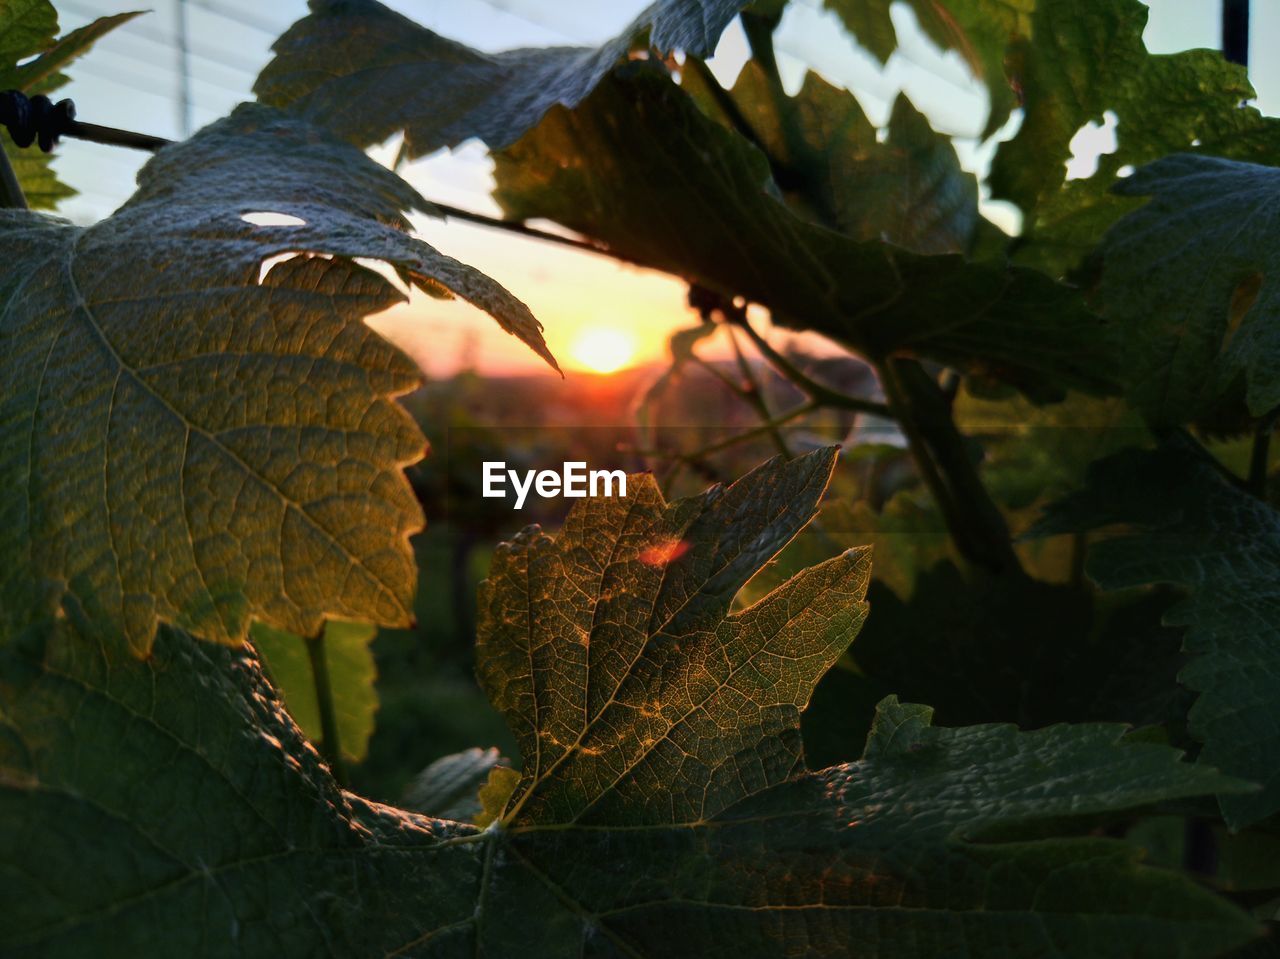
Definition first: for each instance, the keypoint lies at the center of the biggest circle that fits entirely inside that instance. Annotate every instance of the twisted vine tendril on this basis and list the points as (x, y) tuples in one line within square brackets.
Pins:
[(35, 119)]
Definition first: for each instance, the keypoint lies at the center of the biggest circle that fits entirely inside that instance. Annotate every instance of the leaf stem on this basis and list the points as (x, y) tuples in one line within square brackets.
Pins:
[(330, 745), (753, 393), (816, 391)]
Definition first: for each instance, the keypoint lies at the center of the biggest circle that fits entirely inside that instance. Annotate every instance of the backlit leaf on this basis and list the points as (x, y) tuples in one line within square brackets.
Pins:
[(909, 189), (350, 677), (1087, 58), (679, 819), (980, 31), (182, 441)]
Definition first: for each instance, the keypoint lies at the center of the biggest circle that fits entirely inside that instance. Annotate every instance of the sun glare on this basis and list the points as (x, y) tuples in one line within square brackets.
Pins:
[(604, 351)]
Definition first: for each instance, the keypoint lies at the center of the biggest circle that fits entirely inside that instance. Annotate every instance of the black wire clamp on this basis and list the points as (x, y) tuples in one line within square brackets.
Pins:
[(35, 119)]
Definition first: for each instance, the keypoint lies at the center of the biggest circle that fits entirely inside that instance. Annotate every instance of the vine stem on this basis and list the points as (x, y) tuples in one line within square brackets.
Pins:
[(753, 393), (975, 523), (11, 195), (816, 391), (330, 745), (112, 136)]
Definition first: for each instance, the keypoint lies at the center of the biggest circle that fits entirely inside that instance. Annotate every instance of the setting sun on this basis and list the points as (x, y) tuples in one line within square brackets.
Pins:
[(604, 351)]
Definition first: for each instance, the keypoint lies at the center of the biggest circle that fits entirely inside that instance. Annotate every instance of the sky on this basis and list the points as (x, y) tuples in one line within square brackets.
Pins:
[(596, 312)]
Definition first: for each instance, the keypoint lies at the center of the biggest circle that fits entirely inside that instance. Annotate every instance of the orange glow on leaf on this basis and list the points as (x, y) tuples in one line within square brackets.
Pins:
[(664, 553)]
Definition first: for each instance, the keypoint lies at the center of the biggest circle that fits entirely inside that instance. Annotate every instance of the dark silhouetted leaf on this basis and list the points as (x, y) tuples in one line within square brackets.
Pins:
[(1189, 281), (367, 72), (1198, 530), (639, 167)]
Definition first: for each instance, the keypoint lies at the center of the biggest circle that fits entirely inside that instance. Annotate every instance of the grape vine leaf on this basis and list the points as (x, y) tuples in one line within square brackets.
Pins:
[(909, 189), (1197, 529), (183, 441), (681, 822), (367, 72), (1082, 60), (26, 28), (31, 54), (1187, 282), (639, 167), (350, 675), (980, 31)]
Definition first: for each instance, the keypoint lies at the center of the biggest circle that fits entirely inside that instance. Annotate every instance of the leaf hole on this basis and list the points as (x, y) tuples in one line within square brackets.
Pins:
[(1092, 141), (268, 218)]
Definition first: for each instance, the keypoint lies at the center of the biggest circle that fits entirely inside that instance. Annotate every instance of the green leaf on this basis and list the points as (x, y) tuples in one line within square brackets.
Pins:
[(640, 168), (1083, 59), (351, 675), (1199, 530), (909, 190), (172, 807), (450, 787), (679, 819), (980, 31), (1187, 282), (40, 75), (28, 28), (181, 441), (366, 72)]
